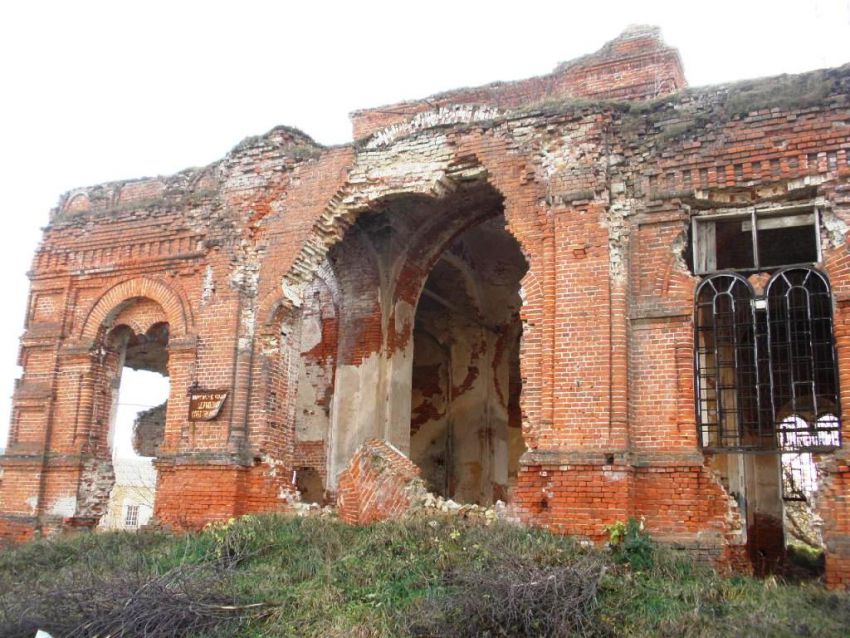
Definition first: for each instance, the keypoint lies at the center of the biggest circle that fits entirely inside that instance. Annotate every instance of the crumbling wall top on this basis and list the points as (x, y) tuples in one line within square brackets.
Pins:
[(637, 65), (280, 144)]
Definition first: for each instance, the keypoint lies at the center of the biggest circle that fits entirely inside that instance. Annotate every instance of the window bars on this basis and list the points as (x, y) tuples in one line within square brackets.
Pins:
[(761, 360), (799, 477)]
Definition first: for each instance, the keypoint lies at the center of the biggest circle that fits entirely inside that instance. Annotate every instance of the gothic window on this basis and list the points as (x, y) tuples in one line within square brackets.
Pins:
[(726, 362), (766, 375), (803, 374)]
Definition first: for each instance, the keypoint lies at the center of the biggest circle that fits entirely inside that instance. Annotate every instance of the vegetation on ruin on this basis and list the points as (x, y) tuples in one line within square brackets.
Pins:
[(424, 576)]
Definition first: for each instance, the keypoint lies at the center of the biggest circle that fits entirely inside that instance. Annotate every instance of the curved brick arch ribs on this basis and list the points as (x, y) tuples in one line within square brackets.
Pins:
[(428, 177), (427, 247), (427, 167), (271, 311), (470, 285), (111, 302)]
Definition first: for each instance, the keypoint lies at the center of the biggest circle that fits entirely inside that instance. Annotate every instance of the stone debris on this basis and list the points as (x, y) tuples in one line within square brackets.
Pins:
[(431, 502)]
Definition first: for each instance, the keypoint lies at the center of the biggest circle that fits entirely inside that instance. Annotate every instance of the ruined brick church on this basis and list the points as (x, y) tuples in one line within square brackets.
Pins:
[(594, 295)]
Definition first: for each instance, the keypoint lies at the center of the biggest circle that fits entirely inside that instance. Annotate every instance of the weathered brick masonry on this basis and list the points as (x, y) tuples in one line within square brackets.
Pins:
[(341, 294)]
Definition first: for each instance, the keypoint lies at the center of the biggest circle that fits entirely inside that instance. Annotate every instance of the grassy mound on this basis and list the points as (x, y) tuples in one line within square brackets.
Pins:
[(424, 576)]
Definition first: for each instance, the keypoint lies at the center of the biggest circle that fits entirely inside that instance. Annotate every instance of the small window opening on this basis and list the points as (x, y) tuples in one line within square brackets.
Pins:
[(755, 240), (789, 239), (131, 520)]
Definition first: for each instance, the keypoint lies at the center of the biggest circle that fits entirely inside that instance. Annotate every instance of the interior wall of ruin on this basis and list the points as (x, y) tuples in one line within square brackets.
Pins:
[(466, 342)]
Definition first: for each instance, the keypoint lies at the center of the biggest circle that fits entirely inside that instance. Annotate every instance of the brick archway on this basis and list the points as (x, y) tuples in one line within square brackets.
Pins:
[(455, 176), (139, 304), (110, 303), (360, 194)]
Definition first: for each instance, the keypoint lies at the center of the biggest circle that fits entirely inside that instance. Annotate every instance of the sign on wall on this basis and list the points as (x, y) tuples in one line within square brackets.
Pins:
[(205, 405)]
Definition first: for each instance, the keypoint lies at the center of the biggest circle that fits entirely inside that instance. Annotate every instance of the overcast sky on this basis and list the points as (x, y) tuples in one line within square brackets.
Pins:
[(100, 91)]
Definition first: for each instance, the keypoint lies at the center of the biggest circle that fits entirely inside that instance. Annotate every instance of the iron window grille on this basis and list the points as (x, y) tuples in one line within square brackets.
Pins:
[(799, 477), (762, 360), (799, 469)]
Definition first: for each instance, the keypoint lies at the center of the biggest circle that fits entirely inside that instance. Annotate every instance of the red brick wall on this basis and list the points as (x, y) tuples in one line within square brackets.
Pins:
[(376, 485), (599, 197), (637, 65)]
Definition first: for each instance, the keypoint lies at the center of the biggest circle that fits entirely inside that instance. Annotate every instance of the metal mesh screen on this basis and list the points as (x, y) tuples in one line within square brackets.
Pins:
[(726, 355), (759, 363), (802, 358)]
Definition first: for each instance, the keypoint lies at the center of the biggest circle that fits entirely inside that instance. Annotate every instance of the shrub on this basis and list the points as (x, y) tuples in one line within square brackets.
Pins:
[(630, 544)]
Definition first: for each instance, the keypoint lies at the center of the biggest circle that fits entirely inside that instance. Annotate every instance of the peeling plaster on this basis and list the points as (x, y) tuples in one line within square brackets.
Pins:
[(246, 268), (680, 243), (618, 236), (247, 323), (293, 293)]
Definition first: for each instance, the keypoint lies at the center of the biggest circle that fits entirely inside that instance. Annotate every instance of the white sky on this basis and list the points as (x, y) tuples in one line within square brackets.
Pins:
[(99, 91), (140, 390)]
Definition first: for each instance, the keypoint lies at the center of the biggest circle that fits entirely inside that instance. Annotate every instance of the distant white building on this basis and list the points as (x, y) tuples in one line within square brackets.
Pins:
[(132, 498)]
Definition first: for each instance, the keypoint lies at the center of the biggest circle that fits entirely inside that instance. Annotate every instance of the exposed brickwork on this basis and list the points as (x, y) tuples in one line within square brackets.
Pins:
[(379, 483), (835, 510), (290, 275), (635, 66), (148, 430)]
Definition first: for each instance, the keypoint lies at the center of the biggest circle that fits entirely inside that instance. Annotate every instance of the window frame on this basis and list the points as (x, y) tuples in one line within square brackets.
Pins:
[(707, 430), (131, 516), (754, 213)]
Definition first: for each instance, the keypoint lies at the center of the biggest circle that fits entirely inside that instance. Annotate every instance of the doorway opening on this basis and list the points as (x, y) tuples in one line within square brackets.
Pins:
[(138, 367), (465, 426)]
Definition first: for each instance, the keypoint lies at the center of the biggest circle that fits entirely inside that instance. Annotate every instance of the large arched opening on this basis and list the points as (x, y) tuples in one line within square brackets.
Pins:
[(131, 413), (428, 332), (465, 422)]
